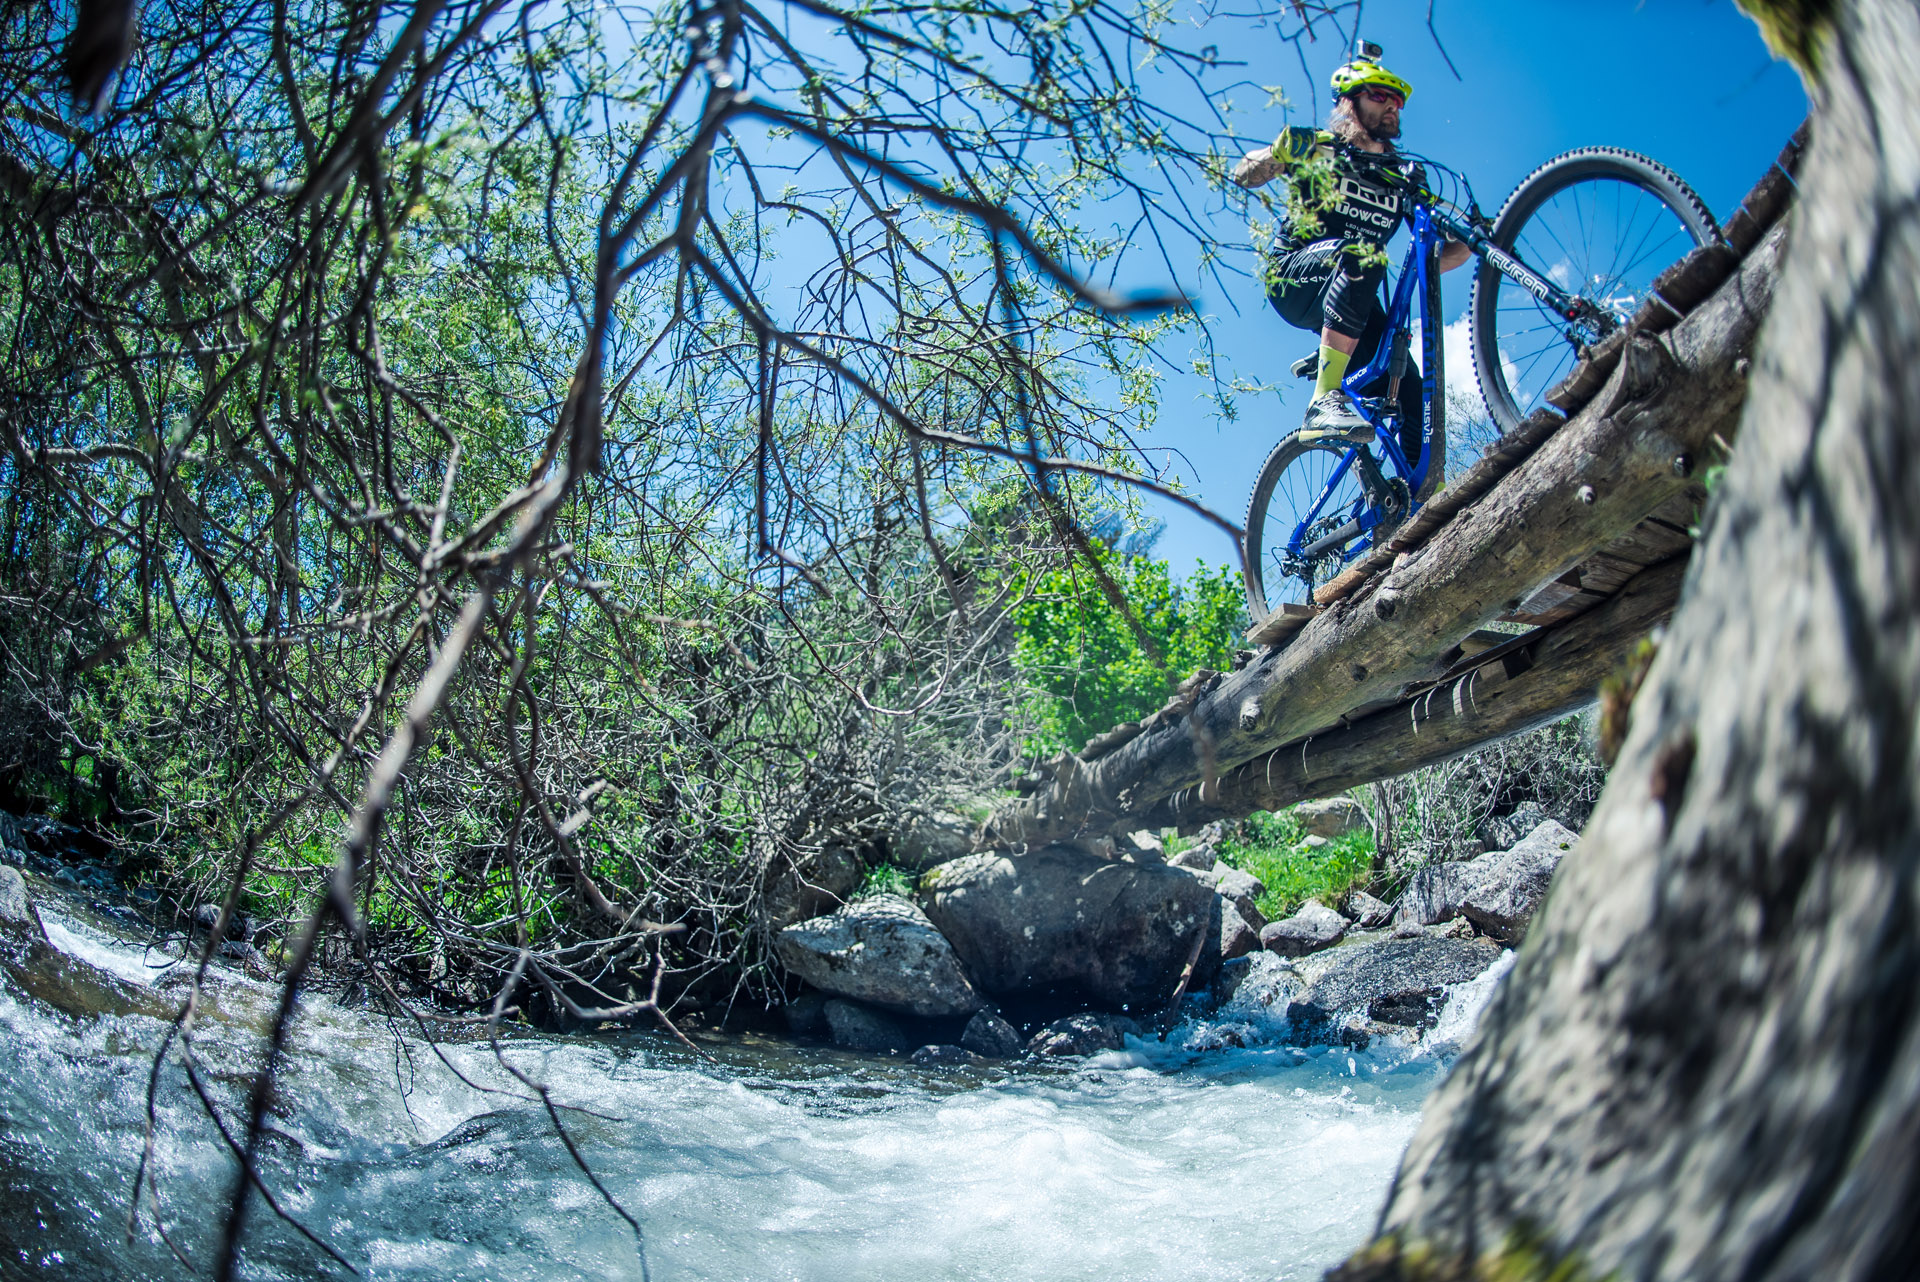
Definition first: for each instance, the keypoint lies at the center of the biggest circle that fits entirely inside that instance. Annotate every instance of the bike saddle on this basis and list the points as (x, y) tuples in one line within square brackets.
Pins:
[(1307, 366)]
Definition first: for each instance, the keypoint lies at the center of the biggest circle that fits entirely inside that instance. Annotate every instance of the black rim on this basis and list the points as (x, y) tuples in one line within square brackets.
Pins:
[(1300, 477), (1602, 238)]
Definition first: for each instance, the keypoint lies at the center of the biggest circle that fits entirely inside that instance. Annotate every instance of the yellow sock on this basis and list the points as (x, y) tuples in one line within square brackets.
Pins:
[(1333, 368)]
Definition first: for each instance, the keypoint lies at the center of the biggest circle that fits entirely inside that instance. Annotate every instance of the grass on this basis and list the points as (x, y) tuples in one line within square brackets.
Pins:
[(885, 879), (1293, 874)]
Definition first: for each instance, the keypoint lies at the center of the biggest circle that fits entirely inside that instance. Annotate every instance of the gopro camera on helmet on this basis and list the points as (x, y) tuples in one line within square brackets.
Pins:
[(1368, 49)]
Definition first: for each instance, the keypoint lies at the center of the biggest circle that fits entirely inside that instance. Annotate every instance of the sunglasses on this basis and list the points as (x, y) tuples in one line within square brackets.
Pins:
[(1384, 96)]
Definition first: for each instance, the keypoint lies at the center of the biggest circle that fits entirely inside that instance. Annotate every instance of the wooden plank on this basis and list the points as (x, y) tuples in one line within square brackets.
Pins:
[(1605, 573), (1281, 623), (1570, 607), (1483, 639), (1649, 543), (1549, 595)]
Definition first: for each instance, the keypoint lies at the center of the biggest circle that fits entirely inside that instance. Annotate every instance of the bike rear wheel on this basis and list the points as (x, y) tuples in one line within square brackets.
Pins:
[(1290, 480), (1600, 223)]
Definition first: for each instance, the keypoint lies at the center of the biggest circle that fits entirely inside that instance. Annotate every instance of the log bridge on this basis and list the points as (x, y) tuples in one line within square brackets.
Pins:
[(1578, 524)]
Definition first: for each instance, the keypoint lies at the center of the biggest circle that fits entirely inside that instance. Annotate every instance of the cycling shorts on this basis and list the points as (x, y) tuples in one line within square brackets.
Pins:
[(1326, 284)]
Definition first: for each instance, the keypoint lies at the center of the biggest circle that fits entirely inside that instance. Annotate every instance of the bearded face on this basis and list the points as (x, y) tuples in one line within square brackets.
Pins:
[(1381, 120)]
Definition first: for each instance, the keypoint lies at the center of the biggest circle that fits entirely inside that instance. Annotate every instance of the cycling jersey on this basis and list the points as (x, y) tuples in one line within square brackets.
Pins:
[(1340, 199)]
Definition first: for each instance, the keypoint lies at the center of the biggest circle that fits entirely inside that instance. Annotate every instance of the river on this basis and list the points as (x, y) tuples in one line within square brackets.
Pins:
[(1196, 1158)]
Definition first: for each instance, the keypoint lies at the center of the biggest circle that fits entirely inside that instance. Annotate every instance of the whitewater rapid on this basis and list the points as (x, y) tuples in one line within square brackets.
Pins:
[(1220, 1153)]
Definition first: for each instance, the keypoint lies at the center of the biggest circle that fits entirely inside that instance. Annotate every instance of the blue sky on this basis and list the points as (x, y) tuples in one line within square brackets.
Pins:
[(1687, 82)]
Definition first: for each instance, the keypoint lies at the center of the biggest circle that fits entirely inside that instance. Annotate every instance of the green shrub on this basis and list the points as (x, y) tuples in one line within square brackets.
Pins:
[(885, 879), (1079, 651), (1270, 848)]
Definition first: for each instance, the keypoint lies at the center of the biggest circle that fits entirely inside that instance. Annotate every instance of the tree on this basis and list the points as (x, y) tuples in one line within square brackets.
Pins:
[(1706, 1063), (1099, 667)]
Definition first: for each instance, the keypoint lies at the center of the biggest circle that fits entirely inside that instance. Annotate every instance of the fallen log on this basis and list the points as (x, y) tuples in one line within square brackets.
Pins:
[(1638, 444), (1534, 680)]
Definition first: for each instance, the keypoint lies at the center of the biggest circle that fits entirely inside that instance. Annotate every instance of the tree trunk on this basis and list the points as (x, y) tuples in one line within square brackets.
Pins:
[(1706, 1063), (1555, 672)]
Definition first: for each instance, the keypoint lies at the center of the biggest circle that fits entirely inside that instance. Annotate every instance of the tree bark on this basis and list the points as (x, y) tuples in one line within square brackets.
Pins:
[(1706, 1063), (1557, 672), (1629, 451)]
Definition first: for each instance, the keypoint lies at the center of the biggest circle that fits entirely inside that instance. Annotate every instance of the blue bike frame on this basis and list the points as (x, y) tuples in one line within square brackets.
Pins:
[(1430, 229)]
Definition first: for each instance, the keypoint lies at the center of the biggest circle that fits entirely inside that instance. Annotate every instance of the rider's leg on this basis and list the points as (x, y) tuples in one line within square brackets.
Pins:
[(1336, 351), (1351, 298)]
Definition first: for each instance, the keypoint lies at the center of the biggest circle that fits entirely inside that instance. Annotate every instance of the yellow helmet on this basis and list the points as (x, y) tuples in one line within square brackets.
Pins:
[(1364, 71)]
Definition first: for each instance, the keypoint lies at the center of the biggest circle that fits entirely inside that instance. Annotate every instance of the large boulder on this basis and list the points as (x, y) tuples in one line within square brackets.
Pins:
[(1514, 883), (882, 951), (1058, 918), (1391, 981), (862, 1028), (920, 842), (814, 883), (1332, 817), (1498, 891), (1313, 927)]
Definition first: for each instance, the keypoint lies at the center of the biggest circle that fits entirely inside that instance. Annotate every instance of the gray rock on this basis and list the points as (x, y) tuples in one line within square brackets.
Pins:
[(991, 1036), (13, 843), (1234, 884), (926, 841), (1198, 858), (1241, 889), (882, 951), (239, 926), (1453, 928), (1238, 935), (1388, 980), (1512, 884), (946, 1057), (1366, 911), (1503, 832), (861, 1028), (1087, 1033), (1332, 817), (1498, 891), (1232, 974), (1146, 845), (1314, 927), (16, 907), (1119, 932), (806, 1015), (818, 883)]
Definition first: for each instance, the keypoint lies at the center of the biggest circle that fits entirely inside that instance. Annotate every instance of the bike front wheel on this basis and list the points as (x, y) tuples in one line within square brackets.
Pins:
[(1600, 223), (1292, 478)]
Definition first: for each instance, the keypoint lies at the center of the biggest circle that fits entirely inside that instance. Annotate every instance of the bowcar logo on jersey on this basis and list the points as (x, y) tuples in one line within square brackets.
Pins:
[(1363, 203)]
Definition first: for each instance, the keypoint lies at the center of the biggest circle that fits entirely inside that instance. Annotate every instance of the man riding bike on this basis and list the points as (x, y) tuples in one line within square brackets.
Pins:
[(1327, 265)]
